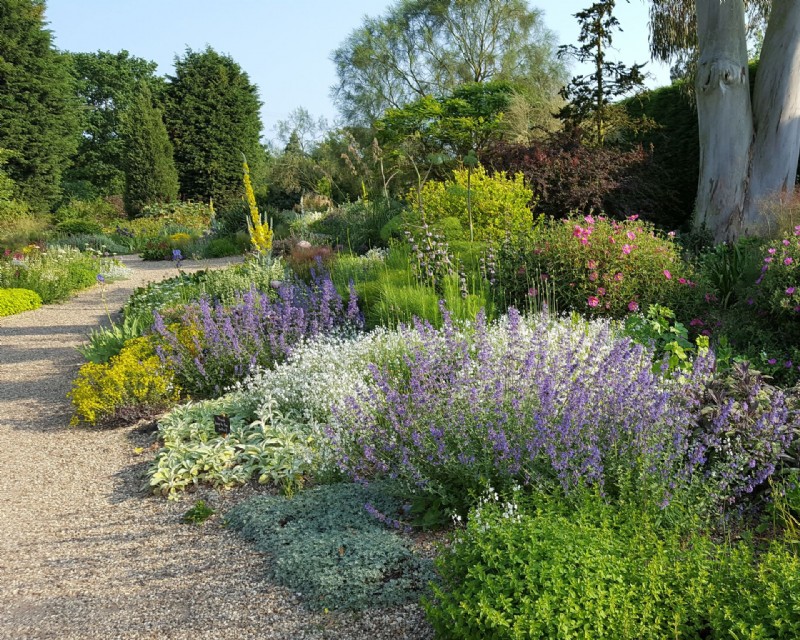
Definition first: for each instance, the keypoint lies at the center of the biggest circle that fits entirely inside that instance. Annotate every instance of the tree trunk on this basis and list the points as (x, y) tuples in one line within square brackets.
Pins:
[(724, 117), (776, 112), (747, 153)]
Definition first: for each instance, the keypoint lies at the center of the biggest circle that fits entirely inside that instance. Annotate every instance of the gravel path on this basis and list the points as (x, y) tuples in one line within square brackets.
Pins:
[(84, 552)]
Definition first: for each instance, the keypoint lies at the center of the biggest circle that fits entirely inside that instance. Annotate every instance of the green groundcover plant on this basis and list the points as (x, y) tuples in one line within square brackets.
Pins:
[(549, 568), (14, 301)]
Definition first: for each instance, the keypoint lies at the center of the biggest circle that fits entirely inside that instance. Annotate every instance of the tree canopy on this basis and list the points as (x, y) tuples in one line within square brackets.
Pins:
[(429, 47), (150, 175), (38, 111), (106, 85), (212, 115)]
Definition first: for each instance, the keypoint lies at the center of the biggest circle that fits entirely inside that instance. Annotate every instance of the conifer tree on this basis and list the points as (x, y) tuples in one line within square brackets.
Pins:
[(38, 109), (212, 114), (150, 175), (591, 96)]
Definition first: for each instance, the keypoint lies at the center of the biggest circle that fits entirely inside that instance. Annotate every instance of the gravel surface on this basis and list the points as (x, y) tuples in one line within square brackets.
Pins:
[(85, 552)]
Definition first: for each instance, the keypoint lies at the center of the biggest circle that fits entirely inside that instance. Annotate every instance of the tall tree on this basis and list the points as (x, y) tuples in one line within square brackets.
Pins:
[(106, 84), (212, 114), (590, 97), (429, 47), (38, 112), (150, 175), (749, 147)]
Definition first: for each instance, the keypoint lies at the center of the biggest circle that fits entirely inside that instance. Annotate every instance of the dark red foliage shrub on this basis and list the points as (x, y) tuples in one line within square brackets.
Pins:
[(568, 176)]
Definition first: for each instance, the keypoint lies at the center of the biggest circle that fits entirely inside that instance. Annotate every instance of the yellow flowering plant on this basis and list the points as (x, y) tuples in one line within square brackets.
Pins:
[(260, 233)]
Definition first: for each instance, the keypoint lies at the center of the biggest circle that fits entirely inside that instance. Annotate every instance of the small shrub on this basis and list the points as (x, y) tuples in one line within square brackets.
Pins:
[(548, 403), (359, 225), (221, 248), (194, 216), (596, 266), (78, 226), (499, 205), (54, 274), (340, 557), (217, 345), (13, 301), (98, 211), (276, 419), (779, 282), (96, 242), (274, 448), (106, 342), (133, 381), (304, 258), (198, 514)]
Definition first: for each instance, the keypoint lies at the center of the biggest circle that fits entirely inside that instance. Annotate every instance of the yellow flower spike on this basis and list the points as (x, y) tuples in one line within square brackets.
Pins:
[(260, 233)]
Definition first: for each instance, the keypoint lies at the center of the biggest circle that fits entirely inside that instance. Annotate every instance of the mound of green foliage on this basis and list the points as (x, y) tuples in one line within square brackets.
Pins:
[(601, 571), (327, 545), (14, 301)]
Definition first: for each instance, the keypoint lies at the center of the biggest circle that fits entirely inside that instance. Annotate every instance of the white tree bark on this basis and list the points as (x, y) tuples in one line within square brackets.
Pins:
[(776, 113), (725, 117), (747, 153)]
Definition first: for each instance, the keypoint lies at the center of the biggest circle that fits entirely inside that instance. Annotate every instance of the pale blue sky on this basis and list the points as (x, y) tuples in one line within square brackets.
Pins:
[(284, 45)]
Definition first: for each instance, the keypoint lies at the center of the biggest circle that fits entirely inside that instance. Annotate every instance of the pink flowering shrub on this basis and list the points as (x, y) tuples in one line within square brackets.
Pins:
[(599, 267), (779, 282)]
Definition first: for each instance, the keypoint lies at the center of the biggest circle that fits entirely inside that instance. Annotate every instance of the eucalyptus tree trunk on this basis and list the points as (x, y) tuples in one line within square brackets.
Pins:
[(748, 152), (724, 116), (776, 112)]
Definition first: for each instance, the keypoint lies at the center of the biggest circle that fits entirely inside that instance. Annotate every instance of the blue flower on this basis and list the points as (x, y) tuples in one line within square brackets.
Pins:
[(100, 278), (177, 256)]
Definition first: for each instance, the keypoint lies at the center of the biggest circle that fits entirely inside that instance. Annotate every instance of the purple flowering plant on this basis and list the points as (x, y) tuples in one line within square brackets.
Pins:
[(556, 404), (214, 346)]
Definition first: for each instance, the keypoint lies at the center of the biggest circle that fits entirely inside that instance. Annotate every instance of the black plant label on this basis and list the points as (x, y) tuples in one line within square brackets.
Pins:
[(222, 424)]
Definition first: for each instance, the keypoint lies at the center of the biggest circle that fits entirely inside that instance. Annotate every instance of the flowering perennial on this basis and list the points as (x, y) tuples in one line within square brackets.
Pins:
[(214, 346)]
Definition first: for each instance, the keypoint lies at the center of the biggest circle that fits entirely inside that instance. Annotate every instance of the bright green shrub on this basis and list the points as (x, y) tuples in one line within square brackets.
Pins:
[(221, 248), (601, 571), (326, 545), (500, 205), (98, 211), (133, 380), (14, 301), (192, 215), (77, 226), (596, 266)]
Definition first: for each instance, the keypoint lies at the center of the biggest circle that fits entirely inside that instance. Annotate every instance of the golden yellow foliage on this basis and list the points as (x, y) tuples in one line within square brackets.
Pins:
[(134, 377)]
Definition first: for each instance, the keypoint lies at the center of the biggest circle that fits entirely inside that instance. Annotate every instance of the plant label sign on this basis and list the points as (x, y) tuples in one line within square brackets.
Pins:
[(222, 425)]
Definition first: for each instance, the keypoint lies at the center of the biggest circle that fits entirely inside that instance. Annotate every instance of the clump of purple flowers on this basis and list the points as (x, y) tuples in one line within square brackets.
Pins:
[(744, 428), (552, 404), (216, 346)]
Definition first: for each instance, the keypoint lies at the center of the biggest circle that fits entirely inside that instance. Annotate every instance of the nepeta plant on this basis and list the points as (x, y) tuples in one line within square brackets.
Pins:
[(555, 403), (215, 346), (550, 403)]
